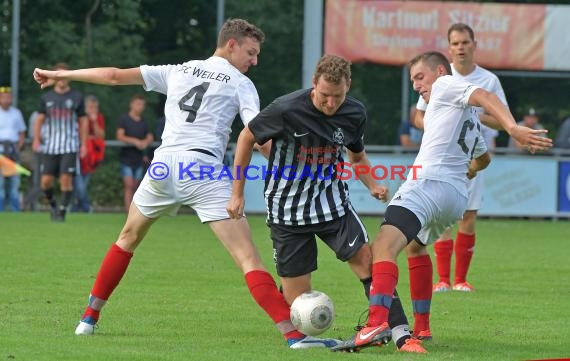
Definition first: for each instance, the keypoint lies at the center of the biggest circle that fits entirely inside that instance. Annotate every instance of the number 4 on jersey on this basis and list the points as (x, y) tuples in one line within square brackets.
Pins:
[(198, 93)]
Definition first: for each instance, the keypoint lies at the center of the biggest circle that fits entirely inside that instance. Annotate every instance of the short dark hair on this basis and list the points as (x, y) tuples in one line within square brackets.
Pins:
[(333, 69), (461, 27), (239, 29), (432, 59), (137, 96)]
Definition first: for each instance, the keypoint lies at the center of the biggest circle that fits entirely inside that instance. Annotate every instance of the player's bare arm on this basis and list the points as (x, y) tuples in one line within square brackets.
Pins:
[(103, 76), (36, 143), (478, 164), (533, 139), (418, 121), (490, 121), (360, 159), (264, 149), (242, 158)]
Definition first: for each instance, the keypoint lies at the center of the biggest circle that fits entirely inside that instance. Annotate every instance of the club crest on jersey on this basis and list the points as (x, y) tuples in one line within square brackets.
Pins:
[(338, 136), (69, 103)]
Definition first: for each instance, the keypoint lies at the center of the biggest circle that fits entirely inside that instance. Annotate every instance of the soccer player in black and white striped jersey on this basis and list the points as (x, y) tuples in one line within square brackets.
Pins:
[(60, 133), (305, 134)]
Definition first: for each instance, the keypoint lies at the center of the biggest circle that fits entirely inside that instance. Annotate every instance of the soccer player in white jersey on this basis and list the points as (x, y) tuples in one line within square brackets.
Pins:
[(203, 98), (424, 205), (462, 47)]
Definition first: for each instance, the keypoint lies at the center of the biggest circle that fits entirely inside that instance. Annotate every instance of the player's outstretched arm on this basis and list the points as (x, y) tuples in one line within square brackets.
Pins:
[(534, 140), (103, 76)]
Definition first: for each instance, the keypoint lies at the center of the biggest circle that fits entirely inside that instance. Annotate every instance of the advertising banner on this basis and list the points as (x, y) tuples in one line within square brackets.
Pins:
[(509, 36)]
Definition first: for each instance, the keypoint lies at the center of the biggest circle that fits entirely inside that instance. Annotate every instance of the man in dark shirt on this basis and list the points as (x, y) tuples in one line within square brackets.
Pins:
[(305, 194), (60, 132), (133, 130)]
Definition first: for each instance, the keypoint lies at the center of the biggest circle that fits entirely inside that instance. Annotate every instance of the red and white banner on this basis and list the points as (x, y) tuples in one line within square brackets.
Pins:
[(509, 36)]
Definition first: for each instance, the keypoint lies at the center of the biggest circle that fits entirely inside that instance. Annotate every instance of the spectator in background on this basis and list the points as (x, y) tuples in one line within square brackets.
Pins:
[(408, 135), (34, 190), (12, 137), (133, 130), (563, 136), (60, 132), (530, 120), (94, 156)]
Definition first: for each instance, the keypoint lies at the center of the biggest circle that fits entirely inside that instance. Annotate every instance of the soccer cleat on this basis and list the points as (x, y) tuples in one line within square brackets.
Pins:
[(311, 342), (54, 215), (463, 287), (85, 328), (413, 345), (366, 337), (424, 335), (441, 287), (57, 215)]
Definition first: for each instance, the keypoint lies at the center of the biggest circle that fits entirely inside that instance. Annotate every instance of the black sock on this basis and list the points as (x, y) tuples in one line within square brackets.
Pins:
[(366, 283), (65, 199), (49, 196), (396, 315)]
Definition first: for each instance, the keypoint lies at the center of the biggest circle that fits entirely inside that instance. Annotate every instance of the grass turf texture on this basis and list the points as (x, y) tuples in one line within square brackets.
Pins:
[(183, 298)]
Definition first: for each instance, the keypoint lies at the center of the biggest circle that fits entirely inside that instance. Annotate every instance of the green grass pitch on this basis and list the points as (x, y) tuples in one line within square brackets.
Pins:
[(184, 299)]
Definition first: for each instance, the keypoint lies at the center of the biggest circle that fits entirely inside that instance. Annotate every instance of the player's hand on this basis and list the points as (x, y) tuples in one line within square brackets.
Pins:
[(45, 78), (533, 140), (380, 192), (471, 173), (235, 207)]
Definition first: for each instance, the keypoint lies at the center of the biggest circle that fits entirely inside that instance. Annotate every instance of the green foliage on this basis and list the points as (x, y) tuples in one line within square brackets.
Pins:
[(128, 33), (55, 31), (183, 298), (105, 186)]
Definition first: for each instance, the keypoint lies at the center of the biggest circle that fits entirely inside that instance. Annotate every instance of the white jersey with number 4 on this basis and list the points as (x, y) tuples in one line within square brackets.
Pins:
[(203, 99), (451, 134)]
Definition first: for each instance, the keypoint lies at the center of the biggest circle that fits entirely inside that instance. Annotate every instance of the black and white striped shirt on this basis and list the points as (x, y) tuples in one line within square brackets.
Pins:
[(301, 183), (60, 128)]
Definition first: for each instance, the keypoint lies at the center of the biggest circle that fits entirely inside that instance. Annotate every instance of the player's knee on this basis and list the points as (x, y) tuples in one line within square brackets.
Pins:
[(362, 258)]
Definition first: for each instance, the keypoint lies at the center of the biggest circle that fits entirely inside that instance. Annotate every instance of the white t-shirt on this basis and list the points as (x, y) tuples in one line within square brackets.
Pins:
[(203, 99), (483, 78), (11, 124), (451, 134)]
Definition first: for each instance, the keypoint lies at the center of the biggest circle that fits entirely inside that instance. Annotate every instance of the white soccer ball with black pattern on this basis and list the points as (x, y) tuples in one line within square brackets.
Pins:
[(312, 313)]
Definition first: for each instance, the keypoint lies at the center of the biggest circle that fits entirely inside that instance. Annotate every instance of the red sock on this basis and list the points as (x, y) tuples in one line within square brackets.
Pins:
[(421, 278), (384, 280), (112, 270), (264, 291), (443, 251), (464, 247)]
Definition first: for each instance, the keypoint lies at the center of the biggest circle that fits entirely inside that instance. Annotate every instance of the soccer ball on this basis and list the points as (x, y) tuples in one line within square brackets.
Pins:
[(312, 313)]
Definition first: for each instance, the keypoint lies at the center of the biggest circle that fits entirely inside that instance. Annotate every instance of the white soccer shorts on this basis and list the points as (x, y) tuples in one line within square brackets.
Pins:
[(437, 205), (475, 189), (166, 186)]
